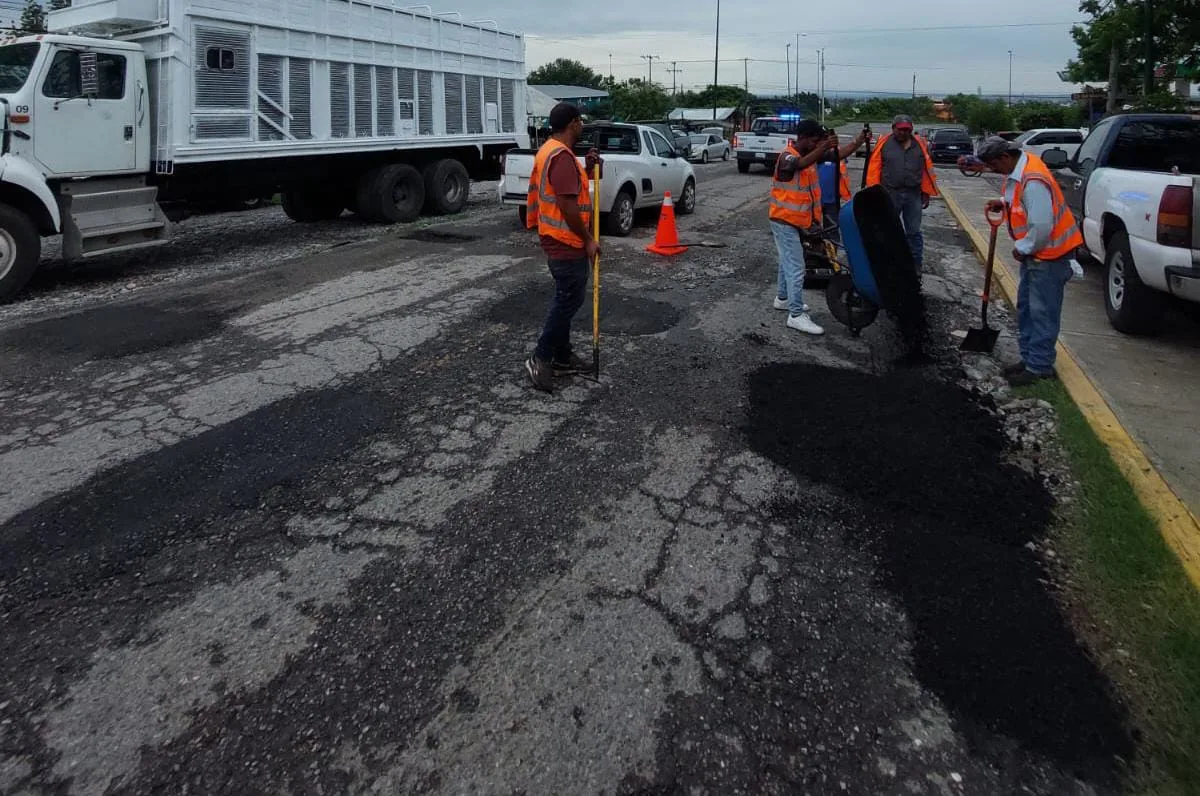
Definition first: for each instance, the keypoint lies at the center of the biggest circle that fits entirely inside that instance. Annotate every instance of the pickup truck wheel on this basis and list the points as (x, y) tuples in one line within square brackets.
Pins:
[(20, 250), (447, 187), (620, 219), (1132, 307), (687, 200), (392, 194), (744, 166)]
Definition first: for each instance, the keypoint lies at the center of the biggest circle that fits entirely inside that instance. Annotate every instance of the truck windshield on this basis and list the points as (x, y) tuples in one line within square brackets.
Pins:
[(1158, 145), (16, 61), (772, 127)]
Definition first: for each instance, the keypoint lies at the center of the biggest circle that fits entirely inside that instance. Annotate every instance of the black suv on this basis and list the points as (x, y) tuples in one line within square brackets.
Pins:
[(948, 145)]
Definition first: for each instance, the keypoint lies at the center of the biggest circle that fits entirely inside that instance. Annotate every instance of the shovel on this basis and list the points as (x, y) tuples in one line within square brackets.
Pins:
[(596, 274), (983, 340)]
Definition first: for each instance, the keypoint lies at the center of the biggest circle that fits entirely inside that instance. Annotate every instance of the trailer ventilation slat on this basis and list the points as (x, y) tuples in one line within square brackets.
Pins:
[(424, 103), (339, 99), (300, 97), (385, 101), (270, 87), (210, 128), (474, 92), (454, 104), (222, 65), (364, 110), (507, 111)]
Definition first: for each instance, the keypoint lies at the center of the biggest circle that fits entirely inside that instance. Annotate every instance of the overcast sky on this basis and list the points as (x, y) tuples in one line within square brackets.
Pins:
[(864, 51)]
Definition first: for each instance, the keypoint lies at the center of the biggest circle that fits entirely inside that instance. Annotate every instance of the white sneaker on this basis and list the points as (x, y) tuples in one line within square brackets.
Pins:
[(785, 305), (803, 323)]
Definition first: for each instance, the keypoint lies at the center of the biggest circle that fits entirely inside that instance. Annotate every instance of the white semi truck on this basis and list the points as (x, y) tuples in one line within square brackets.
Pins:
[(130, 105)]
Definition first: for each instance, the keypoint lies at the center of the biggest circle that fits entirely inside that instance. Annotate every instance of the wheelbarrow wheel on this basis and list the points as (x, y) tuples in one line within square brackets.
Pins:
[(849, 307)]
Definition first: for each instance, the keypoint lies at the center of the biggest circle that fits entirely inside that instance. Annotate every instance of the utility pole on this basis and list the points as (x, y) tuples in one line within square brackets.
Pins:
[(674, 71), (649, 59), (1114, 67), (821, 52), (1148, 76), (1010, 59), (789, 67), (746, 67), (796, 82), (716, 59), (914, 85), (610, 71)]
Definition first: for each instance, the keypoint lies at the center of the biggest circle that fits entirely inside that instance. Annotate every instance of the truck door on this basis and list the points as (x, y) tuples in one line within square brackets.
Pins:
[(85, 113), (1073, 178)]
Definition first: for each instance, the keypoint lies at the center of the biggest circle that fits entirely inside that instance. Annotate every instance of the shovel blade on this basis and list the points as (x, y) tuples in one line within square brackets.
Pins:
[(981, 341)]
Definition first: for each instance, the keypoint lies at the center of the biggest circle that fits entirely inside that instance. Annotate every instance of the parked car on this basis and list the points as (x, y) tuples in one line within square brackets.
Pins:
[(677, 135), (709, 147), (640, 166), (766, 139), (1038, 141), (1132, 185), (948, 144)]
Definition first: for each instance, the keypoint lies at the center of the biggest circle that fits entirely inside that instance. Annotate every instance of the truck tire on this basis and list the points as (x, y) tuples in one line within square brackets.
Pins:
[(744, 166), (620, 219), (392, 194), (523, 214), (20, 250), (1132, 307), (447, 187), (307, 206)]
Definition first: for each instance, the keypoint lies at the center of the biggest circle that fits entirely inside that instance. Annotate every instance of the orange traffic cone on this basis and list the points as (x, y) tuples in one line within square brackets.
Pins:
[(666, 240)]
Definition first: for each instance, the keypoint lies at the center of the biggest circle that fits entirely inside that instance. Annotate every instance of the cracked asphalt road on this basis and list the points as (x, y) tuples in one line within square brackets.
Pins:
[(307, 530)]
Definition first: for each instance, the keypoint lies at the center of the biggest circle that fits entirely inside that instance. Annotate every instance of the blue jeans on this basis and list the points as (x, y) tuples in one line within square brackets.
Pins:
[(791, 266), (1039, 311), (570, 289), (908, 205)]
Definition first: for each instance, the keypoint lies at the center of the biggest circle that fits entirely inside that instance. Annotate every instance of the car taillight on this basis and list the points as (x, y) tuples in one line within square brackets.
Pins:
[(1175, 216), (736, 143)]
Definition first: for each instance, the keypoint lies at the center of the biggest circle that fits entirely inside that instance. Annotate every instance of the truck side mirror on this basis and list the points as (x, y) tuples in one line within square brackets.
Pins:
[(89, 75), (1055, 158)]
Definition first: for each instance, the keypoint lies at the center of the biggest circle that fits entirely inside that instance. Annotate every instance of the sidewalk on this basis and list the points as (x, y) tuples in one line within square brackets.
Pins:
[(1150, 383)]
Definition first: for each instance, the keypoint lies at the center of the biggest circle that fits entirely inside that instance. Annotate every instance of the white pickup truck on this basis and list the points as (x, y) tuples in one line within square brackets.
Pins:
[(767, 137), (1134, 188), (640, 167)]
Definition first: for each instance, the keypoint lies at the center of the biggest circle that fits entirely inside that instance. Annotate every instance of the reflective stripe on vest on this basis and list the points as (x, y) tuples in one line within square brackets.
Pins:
[(797, 201), (1065, 236), (542, 208)]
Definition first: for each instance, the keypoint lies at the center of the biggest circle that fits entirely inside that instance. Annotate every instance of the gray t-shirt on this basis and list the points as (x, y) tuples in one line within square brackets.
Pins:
[(902, 169)]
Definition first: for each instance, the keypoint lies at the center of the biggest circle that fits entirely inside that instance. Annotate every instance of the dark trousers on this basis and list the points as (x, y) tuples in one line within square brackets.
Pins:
[(570, 289)]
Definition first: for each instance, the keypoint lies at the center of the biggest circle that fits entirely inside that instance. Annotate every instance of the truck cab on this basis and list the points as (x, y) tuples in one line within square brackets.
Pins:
[(75, 151)]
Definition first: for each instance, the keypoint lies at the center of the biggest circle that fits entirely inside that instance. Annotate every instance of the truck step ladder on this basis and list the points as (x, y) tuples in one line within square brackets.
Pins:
[(107, 216)]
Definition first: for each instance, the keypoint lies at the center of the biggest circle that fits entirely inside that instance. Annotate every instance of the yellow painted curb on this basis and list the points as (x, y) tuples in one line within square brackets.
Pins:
[(1178, 525)]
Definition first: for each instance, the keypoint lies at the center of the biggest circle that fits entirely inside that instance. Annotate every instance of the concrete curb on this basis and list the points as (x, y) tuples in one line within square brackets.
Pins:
[(1177, 524)]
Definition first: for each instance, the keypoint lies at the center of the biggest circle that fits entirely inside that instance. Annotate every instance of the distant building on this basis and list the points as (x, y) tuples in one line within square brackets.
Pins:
[(586, 98)]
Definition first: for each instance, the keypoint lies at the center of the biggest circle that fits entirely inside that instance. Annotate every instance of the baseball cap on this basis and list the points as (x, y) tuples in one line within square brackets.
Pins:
[(903, 121), (994, 147), (561, 116)]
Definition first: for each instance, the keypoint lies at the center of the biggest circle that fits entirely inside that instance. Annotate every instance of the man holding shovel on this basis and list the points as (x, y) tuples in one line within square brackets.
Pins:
[(1045, 238), (559, 205)]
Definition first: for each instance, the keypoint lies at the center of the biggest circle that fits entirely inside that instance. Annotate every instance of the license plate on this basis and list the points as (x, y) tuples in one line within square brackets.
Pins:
[(952, 147), (760, 155)]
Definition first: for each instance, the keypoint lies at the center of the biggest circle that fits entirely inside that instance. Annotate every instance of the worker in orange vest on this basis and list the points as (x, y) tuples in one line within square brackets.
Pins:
[(1045, 238), (902, 165), (559, 205), (795, 208)]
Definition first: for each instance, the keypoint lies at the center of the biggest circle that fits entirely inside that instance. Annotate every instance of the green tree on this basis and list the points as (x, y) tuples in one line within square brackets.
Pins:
[(636, 99), (33, 18), (988, 116), (565, 72), (1032, 115)]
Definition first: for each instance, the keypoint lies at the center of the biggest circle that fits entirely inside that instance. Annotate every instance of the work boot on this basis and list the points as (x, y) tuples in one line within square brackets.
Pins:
[(803, 323), (574, 364), (1014, 369), (1027, 378), (540, 374), (784, 305)]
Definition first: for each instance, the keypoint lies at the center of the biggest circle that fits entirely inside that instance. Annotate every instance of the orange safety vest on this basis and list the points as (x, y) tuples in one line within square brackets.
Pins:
[(541, 203), (845, 183), (875, 167), (1065, 237), (797, 201)]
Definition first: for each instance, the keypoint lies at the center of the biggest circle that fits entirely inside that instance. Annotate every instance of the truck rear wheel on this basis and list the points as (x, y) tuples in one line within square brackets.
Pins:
[(20, 250), (307, 206), (744, 166), (1132, 307), (447, 187), (391, 194)]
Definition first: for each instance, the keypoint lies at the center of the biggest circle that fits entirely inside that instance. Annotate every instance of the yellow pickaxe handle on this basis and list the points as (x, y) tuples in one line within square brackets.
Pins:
[(596, 272)]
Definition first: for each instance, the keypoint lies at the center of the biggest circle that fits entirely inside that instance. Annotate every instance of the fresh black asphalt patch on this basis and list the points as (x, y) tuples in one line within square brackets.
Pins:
[(621, 312), (928, 493)]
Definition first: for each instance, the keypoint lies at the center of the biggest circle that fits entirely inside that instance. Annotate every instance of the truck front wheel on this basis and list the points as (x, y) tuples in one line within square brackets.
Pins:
[(447, 187), (1132, 307), (392, 194), (20, 250)]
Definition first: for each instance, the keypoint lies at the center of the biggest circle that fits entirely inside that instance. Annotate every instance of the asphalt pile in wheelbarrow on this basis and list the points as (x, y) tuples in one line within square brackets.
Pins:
[(895, 271), (926, 490)]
